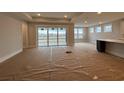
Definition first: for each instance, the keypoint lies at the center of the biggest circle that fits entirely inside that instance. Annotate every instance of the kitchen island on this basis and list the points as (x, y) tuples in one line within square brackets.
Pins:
[(111, 46)]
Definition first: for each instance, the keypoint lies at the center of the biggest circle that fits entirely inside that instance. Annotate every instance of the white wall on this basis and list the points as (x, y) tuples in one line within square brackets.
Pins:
[(25, 34), (115, 34), (10, 37)]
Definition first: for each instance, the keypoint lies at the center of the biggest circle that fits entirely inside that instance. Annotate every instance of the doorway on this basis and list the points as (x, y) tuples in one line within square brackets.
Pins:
[(51, 36)]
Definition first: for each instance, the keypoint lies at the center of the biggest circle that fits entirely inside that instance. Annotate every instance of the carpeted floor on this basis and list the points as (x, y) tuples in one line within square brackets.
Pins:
[(52, 63)]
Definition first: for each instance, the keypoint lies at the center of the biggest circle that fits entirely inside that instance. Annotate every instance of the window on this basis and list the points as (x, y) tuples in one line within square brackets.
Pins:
[(108, 28), (61, 36), (51, 36), (98, 29), (42, 36), (78, 33), (91, 29)]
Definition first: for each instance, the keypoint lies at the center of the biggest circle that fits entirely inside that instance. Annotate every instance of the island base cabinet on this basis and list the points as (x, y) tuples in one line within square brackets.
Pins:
[(100, 46)]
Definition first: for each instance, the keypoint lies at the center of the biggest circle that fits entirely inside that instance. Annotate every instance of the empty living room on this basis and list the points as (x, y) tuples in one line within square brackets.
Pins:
[(61, 46)]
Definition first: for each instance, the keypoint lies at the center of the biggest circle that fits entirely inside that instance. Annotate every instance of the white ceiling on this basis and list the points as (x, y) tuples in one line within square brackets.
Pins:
[(93, 18), (78, 18), (54, 14)]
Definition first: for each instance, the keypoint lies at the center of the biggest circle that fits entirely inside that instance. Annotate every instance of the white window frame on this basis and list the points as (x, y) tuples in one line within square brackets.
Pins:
[(96, 28), (109, 30)]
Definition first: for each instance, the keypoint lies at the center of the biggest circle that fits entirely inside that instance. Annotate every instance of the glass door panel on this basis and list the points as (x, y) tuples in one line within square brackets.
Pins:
[(52, 36), (42, 36), (80, 33), (61, 36), (75, 33)]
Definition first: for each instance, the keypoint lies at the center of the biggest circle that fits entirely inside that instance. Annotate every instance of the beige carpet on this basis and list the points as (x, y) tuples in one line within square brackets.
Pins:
[(84, 63)]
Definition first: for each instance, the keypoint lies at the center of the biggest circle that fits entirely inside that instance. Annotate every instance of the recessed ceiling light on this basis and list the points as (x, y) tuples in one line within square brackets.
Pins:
[(85, 22), (99, 12), (38, 14), (65, 16), (100, 23)]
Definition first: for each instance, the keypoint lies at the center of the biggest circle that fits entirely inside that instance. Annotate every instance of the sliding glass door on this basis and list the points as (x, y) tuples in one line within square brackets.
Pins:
[(42, 37), (51, 36), (61, 36)]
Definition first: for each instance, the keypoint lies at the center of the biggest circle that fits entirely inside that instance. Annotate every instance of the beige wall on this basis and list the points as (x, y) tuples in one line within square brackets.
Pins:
[(70, 34), (25, 34), (115, 34), (85, 37), (10, 37), (32, 33)]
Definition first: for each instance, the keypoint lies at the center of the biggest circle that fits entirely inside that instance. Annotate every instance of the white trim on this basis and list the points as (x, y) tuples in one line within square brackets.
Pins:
[(10, 55)]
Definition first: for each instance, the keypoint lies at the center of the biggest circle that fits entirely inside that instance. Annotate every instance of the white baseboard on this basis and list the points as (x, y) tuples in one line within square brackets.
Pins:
[(10, 55)]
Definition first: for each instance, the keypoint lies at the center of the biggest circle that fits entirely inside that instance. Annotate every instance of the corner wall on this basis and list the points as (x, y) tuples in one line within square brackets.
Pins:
[(85, 35), (25, 34), (10, 37)]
